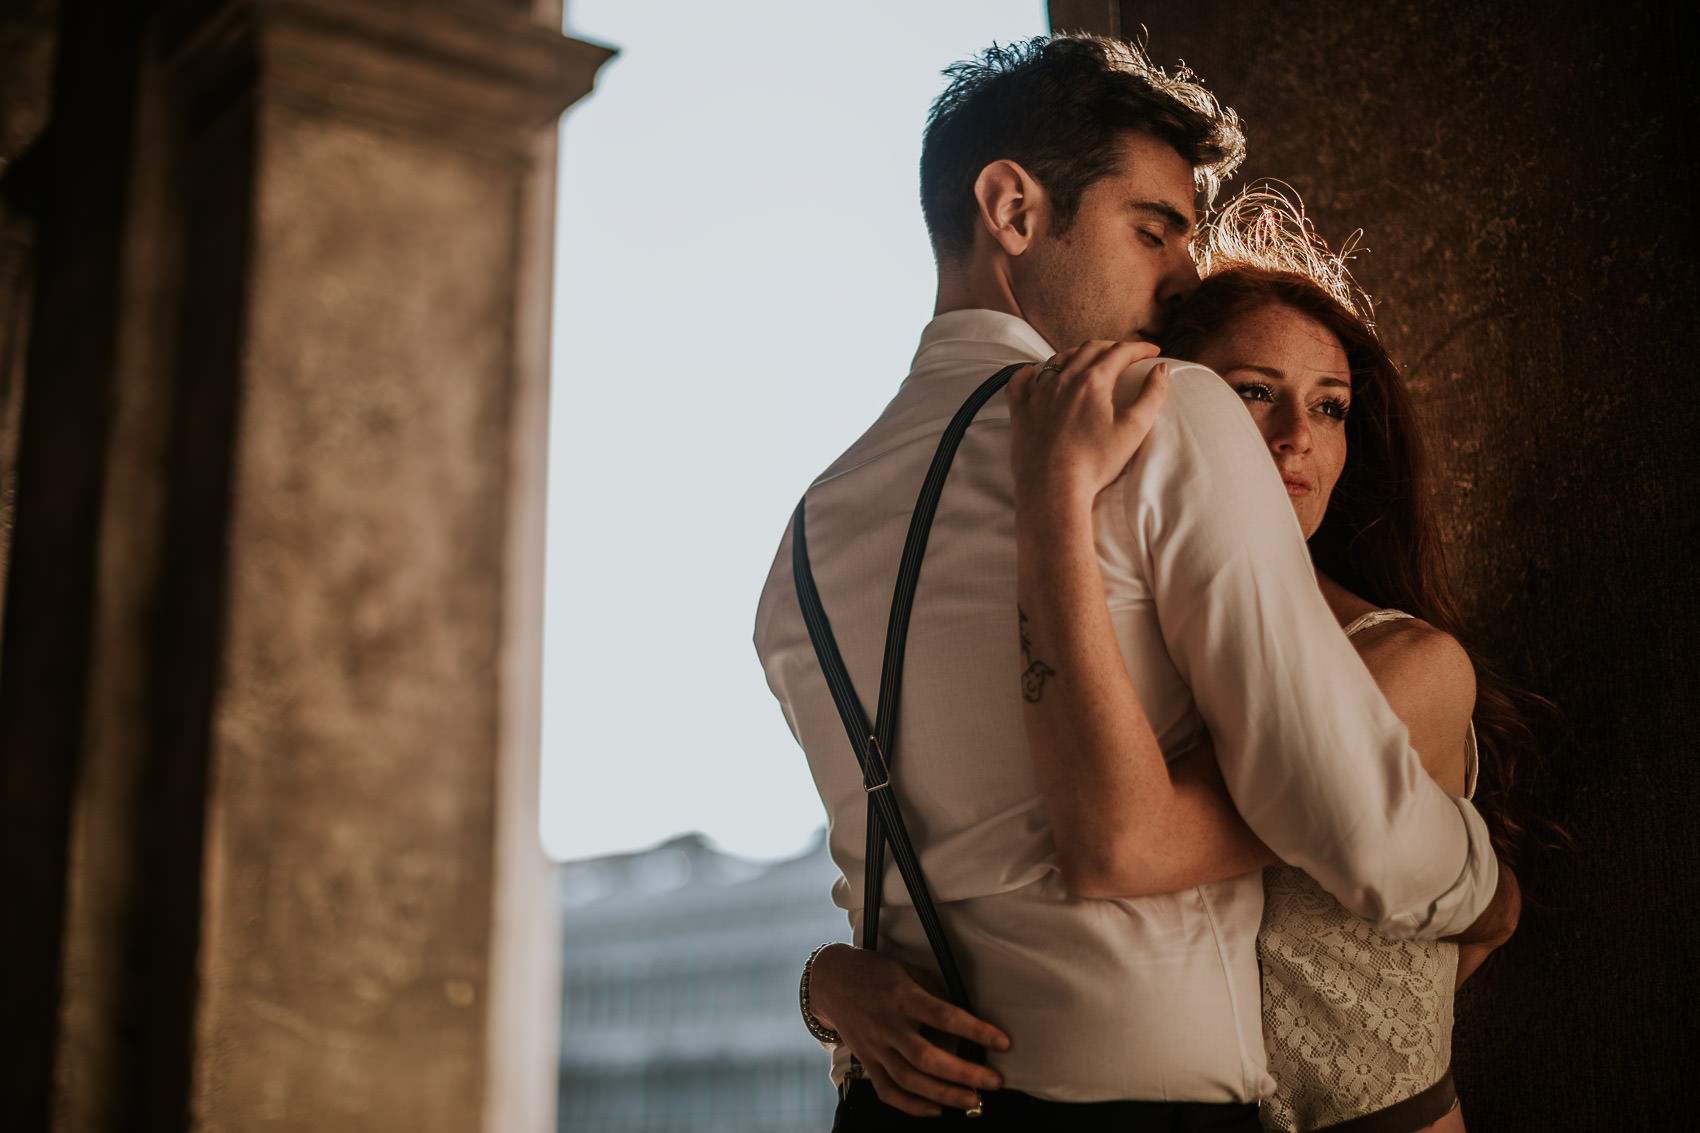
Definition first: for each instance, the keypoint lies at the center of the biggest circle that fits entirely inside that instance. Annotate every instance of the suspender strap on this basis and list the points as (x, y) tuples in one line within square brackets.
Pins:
[(874, 745)]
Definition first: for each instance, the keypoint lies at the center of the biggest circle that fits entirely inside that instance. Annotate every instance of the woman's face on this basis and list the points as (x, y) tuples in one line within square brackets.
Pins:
[(1292, 374)]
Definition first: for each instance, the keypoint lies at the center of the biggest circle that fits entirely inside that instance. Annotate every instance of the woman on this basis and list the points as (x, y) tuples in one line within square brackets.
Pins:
[(1355, 1024)]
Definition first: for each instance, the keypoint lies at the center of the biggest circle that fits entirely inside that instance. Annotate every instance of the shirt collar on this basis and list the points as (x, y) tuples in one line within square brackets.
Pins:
[(971, 331)]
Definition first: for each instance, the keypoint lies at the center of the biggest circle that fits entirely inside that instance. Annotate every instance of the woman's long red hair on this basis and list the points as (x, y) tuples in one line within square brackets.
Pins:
[(1379, 538)]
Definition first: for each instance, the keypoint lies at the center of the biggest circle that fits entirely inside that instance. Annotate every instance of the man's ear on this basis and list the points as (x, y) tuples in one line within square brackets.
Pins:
[(1012, 205)]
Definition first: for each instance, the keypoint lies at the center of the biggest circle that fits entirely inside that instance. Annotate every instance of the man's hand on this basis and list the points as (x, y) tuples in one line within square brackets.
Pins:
[(1499, 920), (1071, 437), (1491, 929), (879, 1005)]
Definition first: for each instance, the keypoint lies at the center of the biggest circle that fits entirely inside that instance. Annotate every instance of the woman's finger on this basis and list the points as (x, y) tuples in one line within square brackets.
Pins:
[(1020, 386), (1112, 363), (1133, 423), (1149, 401), (1101, 353), (1024, 381), (1084, 358)]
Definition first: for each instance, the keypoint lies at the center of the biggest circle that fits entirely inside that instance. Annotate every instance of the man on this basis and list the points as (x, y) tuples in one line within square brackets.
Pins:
[(1058, 182)]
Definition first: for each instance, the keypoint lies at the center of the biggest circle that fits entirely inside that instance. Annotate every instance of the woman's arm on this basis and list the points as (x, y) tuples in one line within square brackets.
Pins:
[(1125, 823), (1430, 683)]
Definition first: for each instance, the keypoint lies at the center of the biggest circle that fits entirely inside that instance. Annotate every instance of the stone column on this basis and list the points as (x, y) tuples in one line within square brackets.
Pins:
[(26, 69), (1525, 180), (294, 757)]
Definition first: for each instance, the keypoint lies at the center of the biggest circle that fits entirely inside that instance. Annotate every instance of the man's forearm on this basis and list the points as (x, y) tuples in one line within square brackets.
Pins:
[(1096, 758), (1126, 823)]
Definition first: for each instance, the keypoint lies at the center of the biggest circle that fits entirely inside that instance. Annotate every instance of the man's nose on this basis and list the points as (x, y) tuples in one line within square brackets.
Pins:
[(1178, 283)]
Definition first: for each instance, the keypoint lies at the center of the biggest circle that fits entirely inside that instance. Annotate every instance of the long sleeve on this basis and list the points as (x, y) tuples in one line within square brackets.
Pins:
[(1316, 762)]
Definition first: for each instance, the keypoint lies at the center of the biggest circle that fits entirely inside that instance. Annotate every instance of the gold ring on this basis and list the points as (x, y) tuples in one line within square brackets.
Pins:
[(1047, 368)]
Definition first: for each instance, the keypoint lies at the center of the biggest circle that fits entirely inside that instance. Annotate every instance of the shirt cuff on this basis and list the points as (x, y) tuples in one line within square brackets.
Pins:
[(1457, 908)]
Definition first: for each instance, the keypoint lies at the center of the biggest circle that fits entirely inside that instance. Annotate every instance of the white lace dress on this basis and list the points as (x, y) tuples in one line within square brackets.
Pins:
[(1354, 1022)]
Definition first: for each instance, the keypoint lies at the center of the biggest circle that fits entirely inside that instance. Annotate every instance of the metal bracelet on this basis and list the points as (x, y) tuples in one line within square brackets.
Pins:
[(816, 1028)]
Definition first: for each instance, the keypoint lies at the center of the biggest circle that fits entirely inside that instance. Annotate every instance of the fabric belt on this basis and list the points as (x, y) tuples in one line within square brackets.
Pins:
[(861, 1111), (1418, 1111)]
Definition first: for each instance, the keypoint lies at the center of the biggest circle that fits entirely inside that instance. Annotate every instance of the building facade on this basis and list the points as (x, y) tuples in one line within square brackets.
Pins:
[(679, 1012)]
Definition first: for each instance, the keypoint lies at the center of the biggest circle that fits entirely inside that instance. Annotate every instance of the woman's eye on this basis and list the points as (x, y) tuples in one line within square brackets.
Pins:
[(1254, 391), (1334, 408)]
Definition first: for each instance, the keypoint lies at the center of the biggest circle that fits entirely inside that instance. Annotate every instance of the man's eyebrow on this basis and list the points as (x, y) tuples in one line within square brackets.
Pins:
[(1167, 213)]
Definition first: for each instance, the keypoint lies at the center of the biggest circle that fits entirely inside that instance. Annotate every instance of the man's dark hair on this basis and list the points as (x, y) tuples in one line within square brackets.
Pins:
[(1061, 108)]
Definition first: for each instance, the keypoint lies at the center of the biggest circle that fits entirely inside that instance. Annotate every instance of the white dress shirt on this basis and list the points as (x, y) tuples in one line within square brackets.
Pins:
[(1223, 628)]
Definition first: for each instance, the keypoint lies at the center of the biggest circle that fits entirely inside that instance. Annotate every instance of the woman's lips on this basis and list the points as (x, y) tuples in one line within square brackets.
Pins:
[(1296, 485)]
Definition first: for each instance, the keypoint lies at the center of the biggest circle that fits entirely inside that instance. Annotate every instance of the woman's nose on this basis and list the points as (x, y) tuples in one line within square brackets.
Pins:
[(1288, 430)]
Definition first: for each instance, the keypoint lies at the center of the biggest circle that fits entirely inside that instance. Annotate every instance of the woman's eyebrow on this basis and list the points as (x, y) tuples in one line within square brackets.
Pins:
[(1281, 376)]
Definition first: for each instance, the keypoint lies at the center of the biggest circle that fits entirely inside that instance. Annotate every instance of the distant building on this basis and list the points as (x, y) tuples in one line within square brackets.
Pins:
[(680, 992)]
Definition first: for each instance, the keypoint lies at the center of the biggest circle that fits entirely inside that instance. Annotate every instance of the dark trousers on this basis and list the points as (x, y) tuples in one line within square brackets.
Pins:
[(1008, 1111)]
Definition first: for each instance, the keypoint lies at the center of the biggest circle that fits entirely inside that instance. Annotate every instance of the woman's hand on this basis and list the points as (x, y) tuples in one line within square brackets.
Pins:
[(879, 1005), (1071, 438)]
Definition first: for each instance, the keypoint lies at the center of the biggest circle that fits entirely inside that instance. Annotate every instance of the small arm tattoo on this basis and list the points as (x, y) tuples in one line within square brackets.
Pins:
[(1033, 681), (1037, 672)]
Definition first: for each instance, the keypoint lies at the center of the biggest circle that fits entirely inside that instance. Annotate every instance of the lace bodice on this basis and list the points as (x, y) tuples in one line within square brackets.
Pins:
[(1354, 1022)]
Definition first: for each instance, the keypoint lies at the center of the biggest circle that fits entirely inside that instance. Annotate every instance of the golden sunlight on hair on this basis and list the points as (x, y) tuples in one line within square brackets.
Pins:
[(1262, 226)]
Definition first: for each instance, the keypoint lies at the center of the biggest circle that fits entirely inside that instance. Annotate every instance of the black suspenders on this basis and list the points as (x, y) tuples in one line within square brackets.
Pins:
[(873, 745)]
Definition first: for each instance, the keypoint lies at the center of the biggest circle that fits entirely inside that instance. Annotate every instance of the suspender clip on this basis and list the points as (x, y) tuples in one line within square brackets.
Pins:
[(876, 776)]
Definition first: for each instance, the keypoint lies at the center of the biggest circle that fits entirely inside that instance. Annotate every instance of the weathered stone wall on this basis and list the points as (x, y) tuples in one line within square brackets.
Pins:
[(1524, 177), (271, 674)]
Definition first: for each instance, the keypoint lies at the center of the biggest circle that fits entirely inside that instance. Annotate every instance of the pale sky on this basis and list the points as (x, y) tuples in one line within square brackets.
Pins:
[(742, 275)]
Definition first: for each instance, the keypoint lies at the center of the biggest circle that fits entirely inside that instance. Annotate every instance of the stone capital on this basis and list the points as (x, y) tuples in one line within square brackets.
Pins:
[(483, 78)]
